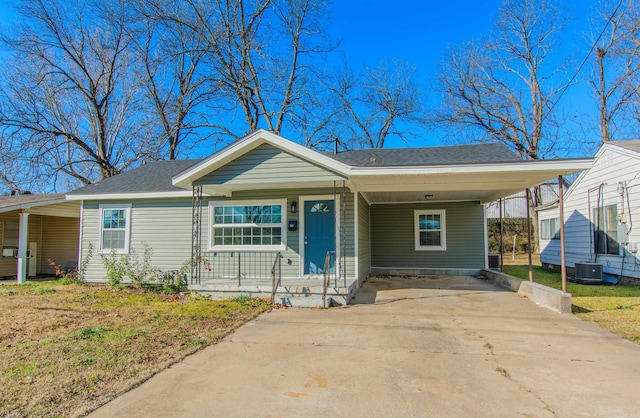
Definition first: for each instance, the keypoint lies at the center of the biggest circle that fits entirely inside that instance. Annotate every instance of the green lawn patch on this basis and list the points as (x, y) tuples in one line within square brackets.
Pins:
[(615, 308), (66, 349)]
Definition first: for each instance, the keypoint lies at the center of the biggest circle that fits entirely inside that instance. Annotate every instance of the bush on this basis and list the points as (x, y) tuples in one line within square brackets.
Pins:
[(129, 267), (510, 227)]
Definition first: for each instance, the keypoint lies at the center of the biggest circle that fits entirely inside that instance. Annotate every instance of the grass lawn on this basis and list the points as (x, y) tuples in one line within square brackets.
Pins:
[(614, 308), (66, 349)]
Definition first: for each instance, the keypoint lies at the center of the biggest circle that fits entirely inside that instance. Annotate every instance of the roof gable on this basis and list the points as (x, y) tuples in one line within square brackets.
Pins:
[(249, 143), (267, 164)]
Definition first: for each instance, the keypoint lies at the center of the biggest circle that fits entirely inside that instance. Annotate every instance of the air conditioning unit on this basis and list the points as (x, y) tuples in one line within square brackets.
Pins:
[(588, 273), (494, 261), (9, 252)]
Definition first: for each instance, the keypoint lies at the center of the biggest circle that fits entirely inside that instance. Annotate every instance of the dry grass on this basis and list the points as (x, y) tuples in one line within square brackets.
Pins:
[(65, 350)]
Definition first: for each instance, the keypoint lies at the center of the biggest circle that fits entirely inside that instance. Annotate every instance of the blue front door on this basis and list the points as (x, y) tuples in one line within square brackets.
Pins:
[(319, 234)]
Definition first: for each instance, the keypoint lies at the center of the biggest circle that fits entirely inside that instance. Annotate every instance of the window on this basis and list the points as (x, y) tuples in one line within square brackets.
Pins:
[(430, 230), (10, 233), (114, 228), (550, 228), (240, 226), (605, 233)]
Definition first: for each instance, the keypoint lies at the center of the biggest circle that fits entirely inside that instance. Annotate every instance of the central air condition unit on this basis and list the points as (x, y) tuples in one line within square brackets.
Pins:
[(494, 261), (588, 273)]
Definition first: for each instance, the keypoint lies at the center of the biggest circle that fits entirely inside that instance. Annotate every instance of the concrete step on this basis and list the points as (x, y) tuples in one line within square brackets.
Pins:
[(294, 295)]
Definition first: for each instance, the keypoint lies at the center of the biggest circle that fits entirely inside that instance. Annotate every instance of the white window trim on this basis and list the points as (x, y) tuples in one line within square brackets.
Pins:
[(127, 231), (260, 202), (443, 230)]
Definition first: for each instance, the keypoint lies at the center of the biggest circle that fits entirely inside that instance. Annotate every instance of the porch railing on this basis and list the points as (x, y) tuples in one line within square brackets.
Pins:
[(326, 271), (276, 276), (239, 266)]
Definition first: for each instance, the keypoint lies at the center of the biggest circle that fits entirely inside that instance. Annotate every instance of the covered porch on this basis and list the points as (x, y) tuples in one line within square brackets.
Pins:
[(35, 229)]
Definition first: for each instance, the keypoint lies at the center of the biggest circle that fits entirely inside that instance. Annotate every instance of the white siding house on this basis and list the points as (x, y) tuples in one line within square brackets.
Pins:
[(602, 214)]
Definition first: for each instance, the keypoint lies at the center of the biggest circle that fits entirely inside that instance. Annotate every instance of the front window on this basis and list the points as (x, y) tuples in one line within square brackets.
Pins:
[(241, 226), (430, 230), (606, 230), (550, 229), (114, 228)]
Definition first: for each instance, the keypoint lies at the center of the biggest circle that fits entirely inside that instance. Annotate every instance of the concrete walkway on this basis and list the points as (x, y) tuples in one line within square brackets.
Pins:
[(446, 347)]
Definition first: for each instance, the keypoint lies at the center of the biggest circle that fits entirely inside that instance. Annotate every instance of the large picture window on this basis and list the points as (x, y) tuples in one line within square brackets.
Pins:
[(430, 230), (606, 230), (242, 226), (550, 229), (114, 228)]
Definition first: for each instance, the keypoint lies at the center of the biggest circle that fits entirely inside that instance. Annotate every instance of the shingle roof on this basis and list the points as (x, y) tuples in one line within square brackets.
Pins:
[(26, 200), (152, 177), (446, 155), (157, 176), (630, 145)]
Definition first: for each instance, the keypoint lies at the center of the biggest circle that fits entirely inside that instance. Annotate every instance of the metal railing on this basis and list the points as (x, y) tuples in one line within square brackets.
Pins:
[(276, 276), (238, 266), (326, 271)]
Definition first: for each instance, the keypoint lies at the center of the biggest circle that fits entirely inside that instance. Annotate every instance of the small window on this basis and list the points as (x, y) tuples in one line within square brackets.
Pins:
[(550, 229), (605, 229), (235, 226), (430, 230), (114, 228)]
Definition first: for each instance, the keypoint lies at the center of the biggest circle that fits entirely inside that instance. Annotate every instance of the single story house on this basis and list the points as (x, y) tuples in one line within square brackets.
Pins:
[(35, 228), (265, 206), (602, 215)]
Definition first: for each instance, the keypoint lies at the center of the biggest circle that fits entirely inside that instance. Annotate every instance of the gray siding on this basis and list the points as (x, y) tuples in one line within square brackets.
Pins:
[(267, 164), (392, 236), (364, 240), (166, 227)]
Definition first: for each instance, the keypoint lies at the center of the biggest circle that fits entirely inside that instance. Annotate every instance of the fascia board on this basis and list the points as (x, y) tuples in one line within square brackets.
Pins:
[(22, 206), (569, 166), (129, 196)]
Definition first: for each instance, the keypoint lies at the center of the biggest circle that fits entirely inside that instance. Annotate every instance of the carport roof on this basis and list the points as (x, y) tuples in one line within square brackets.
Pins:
[(27, 201), (427, 156), (41, 204)]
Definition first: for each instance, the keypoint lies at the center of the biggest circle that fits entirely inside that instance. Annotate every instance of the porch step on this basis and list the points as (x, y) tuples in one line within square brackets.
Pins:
[(294, 295)]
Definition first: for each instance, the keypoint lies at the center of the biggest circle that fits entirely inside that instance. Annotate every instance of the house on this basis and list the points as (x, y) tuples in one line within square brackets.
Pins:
[(268, 215), (515, 206), (35, 228), (602, 214)]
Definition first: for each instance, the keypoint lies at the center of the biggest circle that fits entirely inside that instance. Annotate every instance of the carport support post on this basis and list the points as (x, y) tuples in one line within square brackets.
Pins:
[(562, 253), (21, 274), (529, 235), (501, 243)]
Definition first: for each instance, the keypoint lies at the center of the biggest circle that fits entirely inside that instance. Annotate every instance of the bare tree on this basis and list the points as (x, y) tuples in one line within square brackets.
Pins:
[(382, 102), (504, 89), (70, 97), (175, 78), (616, 71), (259, 53)]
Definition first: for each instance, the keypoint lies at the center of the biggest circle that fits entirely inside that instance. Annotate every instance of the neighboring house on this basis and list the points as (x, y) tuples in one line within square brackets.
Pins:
[(515, 206), (602, 214), (35, 228), (232, 215)]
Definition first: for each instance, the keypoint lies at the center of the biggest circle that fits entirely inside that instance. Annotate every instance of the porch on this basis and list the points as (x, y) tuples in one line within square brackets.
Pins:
[(259, 274)]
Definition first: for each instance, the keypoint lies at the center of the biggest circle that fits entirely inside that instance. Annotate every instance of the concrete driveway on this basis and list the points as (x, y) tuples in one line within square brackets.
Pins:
[(445, 347)]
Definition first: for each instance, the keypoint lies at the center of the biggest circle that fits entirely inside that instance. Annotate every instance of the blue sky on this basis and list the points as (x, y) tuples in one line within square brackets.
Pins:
[(419, 32)]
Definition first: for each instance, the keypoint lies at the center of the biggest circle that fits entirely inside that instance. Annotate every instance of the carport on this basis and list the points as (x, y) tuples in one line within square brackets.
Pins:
[(35, 228)]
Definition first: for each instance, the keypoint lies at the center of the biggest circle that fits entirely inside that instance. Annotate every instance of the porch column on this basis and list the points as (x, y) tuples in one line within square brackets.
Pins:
[(529, 235), (23, 234), (562, 253)]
